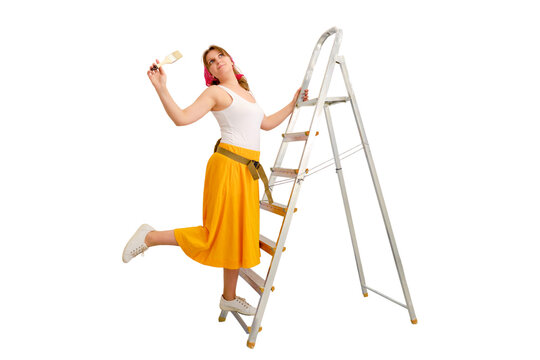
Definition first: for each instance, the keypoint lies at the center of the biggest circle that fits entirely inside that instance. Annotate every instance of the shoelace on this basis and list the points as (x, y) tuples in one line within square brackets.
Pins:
[(139, 250), (243, 302)]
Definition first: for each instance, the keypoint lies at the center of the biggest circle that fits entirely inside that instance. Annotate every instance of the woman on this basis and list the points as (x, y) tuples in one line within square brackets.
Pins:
[(229, 236)]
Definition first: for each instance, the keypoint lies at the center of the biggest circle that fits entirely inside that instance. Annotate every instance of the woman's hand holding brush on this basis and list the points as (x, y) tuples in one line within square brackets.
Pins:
[(157, 76)]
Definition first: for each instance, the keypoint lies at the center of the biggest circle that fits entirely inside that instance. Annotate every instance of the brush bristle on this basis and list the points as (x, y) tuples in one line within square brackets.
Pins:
[(177, 54), (169, 59)]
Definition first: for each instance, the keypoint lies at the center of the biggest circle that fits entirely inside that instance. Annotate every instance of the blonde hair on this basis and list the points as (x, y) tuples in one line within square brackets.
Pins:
[(242, 81)]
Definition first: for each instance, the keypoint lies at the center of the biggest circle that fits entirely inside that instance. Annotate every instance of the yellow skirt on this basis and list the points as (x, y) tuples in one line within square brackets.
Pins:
[(229, 236)]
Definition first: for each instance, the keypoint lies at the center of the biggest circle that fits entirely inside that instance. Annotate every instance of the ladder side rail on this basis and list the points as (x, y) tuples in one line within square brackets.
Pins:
[(316, 52), (382, 205), (263, 300), (341, 179), (320, 102)]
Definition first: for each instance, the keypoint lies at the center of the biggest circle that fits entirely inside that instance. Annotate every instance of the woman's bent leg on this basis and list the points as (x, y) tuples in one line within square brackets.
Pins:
[(154, 238)]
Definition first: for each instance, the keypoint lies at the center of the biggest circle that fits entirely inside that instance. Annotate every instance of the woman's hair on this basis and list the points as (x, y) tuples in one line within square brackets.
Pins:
[(242, 81)]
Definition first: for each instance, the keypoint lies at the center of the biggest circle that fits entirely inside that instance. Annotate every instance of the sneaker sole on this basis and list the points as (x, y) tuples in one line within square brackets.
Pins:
[(237, 312), (224, 308)]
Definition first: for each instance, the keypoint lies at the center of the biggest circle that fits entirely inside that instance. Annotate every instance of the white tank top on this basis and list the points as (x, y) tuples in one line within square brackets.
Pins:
[(240, 123)]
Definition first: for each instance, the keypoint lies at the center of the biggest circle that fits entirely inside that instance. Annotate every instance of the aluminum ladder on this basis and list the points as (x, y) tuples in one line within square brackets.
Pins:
[(276, 248)]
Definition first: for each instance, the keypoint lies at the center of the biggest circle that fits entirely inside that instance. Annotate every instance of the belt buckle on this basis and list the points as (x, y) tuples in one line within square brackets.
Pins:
[(256, 163)]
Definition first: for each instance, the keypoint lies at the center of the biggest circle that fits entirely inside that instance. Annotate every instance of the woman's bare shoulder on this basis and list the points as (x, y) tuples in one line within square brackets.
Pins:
[(210, 92), (221, 98), (213, 91)]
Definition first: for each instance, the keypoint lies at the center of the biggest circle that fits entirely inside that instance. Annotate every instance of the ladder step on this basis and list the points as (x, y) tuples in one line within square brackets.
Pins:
[(288, 173), (246, 328), (253, 279), (328, 101), (297, 136), (275, 207), (268, 245)]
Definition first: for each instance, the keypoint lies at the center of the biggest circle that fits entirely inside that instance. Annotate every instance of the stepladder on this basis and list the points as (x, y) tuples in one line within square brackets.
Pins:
[(265, 286)]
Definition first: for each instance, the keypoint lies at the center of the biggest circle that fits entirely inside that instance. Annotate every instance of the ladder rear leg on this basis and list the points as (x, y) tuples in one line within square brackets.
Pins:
[(341, 179)]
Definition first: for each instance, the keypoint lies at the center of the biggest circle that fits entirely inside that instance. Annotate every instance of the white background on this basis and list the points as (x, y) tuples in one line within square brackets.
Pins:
[(448, 93)]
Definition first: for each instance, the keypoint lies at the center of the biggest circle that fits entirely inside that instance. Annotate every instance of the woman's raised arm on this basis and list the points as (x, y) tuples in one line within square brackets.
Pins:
[(204, 103)]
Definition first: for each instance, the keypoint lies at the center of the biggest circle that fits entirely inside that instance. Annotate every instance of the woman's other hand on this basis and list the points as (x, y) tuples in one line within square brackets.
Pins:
[(158, 76), (305, 97)]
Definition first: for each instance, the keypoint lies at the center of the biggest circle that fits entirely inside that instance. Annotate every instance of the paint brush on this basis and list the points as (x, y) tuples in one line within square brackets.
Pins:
[(169, 59)]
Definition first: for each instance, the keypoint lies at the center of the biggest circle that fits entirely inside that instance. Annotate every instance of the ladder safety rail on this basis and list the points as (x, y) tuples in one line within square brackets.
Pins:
[(315, 55)]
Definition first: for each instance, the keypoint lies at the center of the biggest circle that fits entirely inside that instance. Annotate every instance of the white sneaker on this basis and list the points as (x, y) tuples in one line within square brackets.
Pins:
[(136, 245), (239, 305)]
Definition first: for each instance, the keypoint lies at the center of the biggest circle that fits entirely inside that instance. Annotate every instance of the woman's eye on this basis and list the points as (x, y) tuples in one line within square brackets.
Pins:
[(211, 61)]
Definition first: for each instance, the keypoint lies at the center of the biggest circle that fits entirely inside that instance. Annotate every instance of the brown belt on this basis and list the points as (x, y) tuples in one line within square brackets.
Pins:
[(254, 167)]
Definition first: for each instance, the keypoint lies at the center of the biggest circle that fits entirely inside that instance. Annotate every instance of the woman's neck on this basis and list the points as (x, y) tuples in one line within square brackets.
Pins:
[(229, 79)]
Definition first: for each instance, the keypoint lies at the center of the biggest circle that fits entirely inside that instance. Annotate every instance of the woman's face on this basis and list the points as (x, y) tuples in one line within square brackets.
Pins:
[(218, 63)]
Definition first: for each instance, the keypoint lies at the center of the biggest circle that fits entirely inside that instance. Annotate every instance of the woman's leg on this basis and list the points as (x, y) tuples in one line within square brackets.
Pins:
[(154, 238), (230, 277)]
